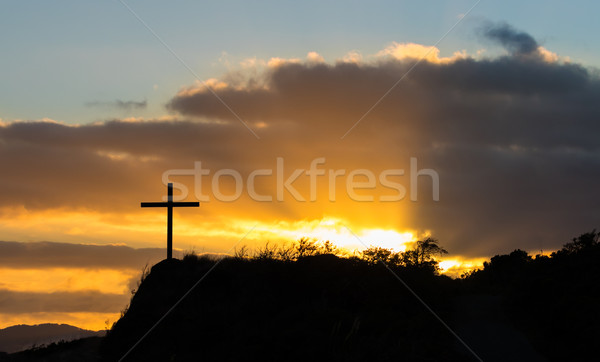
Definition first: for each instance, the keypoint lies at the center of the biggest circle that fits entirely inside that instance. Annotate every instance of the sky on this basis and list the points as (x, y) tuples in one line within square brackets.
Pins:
[(374, 123)]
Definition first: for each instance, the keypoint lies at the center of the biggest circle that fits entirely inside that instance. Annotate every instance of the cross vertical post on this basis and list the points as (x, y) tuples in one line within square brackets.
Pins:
[(170, 204), (170, 222)]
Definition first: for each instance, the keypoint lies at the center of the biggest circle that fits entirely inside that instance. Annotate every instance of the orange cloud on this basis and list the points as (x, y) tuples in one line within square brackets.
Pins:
[(49, 280)]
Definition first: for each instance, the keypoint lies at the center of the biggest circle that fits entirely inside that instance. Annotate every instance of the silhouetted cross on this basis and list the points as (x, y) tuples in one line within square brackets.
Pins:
[(170, 205)]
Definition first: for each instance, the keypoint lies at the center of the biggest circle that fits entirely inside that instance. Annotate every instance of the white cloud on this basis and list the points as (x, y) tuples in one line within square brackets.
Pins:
[(276, 61), (352, 56), (314, 57), (417, 51), (551, 57)]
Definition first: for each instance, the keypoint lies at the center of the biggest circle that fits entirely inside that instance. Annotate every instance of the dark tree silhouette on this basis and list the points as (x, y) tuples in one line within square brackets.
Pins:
[(374, 255), (424, 253), (581, 243)]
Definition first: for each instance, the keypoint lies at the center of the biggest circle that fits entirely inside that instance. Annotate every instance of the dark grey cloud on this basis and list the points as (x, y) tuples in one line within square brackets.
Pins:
[(65, 255), (515, 41), (46, 254), (12, 302), (500, 102), (110, 166), (514, 138), (119, 104)]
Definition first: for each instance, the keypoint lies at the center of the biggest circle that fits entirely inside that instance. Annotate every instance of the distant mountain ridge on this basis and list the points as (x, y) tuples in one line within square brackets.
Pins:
[(22, 336)]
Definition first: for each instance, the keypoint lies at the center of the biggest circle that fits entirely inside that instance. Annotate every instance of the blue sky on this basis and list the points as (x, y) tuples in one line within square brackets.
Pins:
[(59, 56)]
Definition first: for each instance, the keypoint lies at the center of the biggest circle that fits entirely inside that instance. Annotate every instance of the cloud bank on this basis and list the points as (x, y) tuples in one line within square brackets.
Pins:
[(65, 255), (513, 138), (57, 302)]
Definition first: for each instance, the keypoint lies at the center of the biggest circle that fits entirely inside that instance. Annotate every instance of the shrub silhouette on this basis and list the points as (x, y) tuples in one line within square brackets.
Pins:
[(304, 247), (421, 256)]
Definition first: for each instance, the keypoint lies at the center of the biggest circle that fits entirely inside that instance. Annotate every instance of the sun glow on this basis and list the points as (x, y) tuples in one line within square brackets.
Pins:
[(335, 230), (455, 267)]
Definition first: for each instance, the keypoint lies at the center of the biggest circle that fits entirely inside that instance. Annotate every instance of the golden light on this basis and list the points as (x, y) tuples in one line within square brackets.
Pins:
[(49, 280), (335, 230), (455, 267)]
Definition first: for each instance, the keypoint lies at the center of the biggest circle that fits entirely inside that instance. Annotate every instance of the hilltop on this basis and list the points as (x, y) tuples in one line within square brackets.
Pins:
[(321, 307), (309, 304)]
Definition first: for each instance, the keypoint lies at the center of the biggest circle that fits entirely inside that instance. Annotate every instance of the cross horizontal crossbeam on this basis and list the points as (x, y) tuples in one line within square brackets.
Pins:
[(171, 204)]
